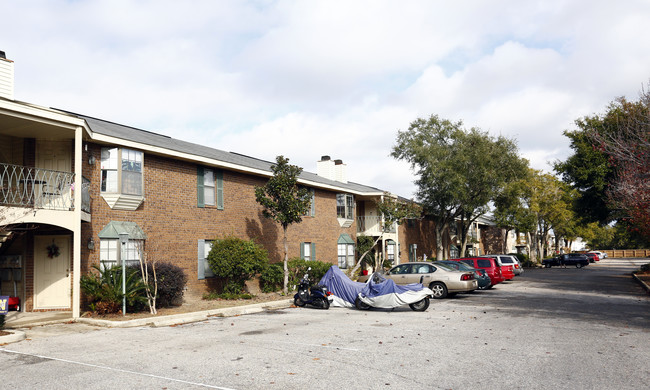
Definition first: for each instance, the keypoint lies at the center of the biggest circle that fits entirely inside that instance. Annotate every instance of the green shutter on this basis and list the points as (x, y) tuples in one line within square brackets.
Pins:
[(219, 188), (200, 196), (201, 262), (313, 203), (302, 250), (313, 251)]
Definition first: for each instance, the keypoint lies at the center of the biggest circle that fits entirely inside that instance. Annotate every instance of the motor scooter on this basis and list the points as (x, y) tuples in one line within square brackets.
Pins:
[(318, 296)]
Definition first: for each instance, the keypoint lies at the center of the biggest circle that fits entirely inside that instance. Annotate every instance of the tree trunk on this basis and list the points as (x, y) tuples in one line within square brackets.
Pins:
[(504, 246), (439, 244), (356, 267), (285, 289)]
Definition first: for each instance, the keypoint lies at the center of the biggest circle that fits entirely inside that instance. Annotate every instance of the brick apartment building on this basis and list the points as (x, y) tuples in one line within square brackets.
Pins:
[(70, 184)]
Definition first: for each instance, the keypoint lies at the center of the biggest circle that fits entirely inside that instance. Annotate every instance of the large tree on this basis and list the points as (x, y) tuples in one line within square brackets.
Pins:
[(458, 171), (284, 202)]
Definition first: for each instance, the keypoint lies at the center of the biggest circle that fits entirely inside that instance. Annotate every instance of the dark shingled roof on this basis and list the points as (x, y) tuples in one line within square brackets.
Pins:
[(149, 138)]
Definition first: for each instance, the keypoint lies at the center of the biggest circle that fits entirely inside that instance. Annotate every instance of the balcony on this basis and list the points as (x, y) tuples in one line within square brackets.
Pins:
[(37, 188), (373, 225)]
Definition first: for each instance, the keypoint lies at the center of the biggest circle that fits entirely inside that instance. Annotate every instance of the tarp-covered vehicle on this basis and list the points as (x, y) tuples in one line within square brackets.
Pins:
[(376, 292)]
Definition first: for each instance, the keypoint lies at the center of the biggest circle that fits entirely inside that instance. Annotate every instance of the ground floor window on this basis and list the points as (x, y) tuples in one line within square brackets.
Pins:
[(453, 252), (413, 252), (204, 270), (308, 251), (390, 253), (346, 255), (110, 253)]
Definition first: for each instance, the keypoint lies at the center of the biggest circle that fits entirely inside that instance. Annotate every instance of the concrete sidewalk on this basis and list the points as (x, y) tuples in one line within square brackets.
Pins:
[(16, 321)]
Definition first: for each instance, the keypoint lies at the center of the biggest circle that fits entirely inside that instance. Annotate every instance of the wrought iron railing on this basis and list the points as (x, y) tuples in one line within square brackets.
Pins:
[(373, 224), (40, 188)]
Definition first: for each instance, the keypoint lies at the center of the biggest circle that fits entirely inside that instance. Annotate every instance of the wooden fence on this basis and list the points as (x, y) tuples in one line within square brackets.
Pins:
[(628, 253)]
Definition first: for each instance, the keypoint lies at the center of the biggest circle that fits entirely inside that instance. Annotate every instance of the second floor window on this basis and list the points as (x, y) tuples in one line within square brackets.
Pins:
[(121, 171), (210, 187), (345, 206)]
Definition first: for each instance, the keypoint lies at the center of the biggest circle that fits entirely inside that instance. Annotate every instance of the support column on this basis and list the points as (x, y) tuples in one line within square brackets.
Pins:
[(76, 251)]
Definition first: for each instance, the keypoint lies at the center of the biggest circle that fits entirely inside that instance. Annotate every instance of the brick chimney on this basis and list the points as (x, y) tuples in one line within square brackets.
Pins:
[(6, 77)]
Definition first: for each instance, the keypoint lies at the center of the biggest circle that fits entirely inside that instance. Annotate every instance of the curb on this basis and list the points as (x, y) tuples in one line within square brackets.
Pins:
[(15, 336), (187, 318), (643, 284)]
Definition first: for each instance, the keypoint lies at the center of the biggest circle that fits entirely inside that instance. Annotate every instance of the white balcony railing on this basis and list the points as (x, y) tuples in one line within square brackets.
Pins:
[(373, 224), (40, 188)]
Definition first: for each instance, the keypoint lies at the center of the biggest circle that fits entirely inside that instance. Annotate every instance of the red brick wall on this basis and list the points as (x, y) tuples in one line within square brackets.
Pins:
[(173, 223), (421, 232)]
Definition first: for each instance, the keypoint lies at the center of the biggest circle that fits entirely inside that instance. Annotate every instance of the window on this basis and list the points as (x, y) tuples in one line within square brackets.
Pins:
[(121, 171), (312, 205), (484, 263), (110, 253), (209, 187), (308, 251), (390, 253), (204, 270), (453, 251), (346, 255), (345, 206)]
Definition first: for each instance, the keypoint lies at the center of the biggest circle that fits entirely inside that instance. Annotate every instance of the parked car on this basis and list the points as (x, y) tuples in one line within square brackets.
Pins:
[(512, 261), (593, 257), (578, 259), (601, 255), (506, 269), (441, 279), (480, 275), (490, 265)]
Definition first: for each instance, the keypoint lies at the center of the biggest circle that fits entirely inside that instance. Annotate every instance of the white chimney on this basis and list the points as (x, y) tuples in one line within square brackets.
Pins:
[(6, 77), (325, 168), (340, 171)]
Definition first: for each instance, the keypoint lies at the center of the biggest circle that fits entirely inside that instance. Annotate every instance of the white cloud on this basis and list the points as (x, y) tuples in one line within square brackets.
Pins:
[(337, 78)]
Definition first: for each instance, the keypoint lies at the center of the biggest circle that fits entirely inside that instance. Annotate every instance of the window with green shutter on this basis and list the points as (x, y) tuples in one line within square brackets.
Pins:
[(209, 185), (308, 251)]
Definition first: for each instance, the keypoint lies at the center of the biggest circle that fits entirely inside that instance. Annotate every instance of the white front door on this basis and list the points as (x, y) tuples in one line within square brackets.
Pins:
[(51, 274)]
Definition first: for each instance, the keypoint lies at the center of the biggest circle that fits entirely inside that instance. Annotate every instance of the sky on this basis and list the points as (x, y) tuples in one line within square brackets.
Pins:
[(306, 79)]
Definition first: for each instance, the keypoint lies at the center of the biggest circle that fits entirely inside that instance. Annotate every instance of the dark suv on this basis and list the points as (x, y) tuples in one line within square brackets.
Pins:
[(578, 259)]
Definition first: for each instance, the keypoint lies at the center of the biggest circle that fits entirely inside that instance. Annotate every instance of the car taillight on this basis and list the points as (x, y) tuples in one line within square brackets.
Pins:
[(517, 266), (466, 277)]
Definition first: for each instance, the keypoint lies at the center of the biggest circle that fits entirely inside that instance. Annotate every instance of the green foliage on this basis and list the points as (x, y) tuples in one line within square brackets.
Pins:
[(237, 261), (171, 283), (365, 244), (298, 267), (2, 321), (105, 289), (282, 199), (227, 296), (272, 277)]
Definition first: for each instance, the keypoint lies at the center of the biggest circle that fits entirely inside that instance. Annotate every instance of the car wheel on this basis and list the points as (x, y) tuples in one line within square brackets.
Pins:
[(439, 290), (484, 287), (420, 305), (361, 305), (578, 265), (298, 302)]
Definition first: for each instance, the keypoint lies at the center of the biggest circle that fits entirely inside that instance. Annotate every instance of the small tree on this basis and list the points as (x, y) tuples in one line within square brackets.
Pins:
[(284, 202)]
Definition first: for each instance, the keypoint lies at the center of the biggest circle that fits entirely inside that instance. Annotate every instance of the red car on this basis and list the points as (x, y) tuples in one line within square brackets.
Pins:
[(592, 257), (489, 264)]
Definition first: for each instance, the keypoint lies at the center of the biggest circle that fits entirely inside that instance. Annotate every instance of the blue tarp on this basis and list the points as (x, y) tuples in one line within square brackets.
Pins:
[(377, 292)]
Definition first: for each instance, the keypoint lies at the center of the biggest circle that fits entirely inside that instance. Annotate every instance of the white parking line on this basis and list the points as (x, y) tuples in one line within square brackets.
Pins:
[(116, 369)]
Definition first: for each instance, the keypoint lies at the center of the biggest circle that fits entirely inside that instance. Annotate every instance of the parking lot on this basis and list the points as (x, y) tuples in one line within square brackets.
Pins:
[(557, 328)]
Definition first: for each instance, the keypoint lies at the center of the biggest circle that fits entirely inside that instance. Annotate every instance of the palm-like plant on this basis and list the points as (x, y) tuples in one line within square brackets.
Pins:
[(105, 289)]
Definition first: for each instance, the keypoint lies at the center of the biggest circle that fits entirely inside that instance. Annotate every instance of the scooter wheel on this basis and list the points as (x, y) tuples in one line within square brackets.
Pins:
[(324, 303), (420, 305), (361, 305), (298, 302)]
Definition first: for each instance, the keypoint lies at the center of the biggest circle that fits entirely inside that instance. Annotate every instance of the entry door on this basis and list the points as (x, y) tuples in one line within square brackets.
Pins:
[(51, 275)]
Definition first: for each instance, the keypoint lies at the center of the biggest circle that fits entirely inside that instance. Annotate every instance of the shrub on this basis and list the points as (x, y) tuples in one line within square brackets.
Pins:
[(645, 268), (105, 289), (272, 277), (237, 261), (171, 283), (2, 321), (298, 267)]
